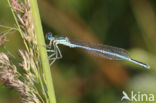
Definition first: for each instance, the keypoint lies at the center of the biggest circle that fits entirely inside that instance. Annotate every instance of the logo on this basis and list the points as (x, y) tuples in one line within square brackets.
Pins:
[(137, 97)]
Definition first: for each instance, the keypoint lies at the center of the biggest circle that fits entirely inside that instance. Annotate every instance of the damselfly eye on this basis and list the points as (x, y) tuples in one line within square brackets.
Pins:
[(49, 36)]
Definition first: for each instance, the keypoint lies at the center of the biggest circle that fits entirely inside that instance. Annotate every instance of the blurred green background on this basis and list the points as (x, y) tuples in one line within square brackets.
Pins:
[(82, 78)]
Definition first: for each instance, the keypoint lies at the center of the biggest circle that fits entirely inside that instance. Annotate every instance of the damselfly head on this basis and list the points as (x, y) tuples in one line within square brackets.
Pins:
[(49, 36)]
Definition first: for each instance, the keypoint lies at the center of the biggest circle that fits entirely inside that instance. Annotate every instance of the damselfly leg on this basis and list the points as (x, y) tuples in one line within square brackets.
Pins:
[(56, 53)]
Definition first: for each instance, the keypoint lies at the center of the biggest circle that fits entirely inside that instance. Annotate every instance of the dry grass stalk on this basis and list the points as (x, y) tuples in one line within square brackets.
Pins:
[(31, 60), (11, 77)]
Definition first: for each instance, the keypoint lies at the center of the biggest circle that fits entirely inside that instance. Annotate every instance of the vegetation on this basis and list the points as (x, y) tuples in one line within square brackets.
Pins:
[(77, 77)]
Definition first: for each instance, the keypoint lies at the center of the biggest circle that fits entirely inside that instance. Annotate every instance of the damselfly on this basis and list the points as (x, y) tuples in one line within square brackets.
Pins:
[(105, 51)]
